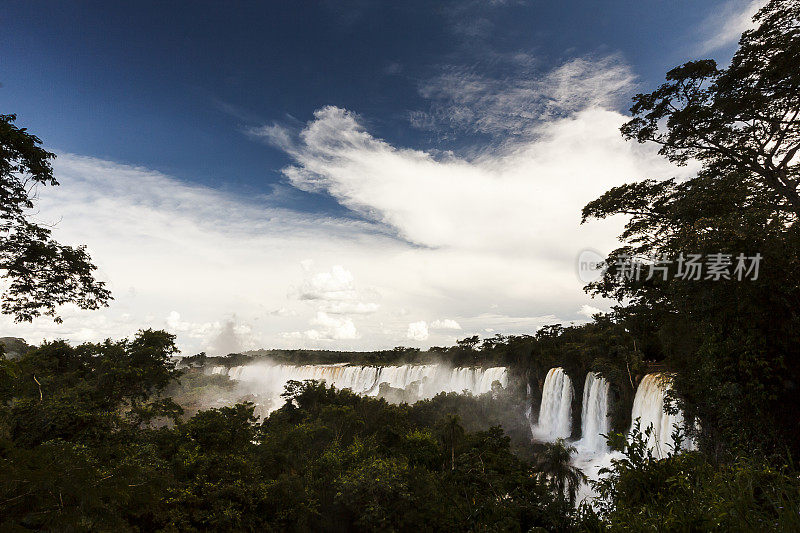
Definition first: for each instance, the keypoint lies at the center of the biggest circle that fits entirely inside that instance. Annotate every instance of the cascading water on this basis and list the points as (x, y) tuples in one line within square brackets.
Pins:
[(529, 408), (594, 414), (267, 380), (555, 413), (648, 407)]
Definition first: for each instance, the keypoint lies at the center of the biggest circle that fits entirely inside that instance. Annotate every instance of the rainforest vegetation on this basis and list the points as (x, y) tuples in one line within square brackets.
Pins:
[(92, 437)]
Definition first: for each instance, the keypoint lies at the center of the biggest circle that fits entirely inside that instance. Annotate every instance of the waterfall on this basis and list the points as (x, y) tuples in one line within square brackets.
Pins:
[(267, 380), (594, 414), (555, 413), (648, 407), (528, 404)]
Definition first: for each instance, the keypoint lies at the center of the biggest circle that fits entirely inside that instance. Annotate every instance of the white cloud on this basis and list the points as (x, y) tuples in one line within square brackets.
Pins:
[(512, 104), (187, 253), (350, 308), (523, 200), (725, 26), (331, 328), (283, 312), (196, 330), (306, 264), (273, 133), (417, 331), (588, 311), (445, 323), (334, 285), (218, 338), (491, 239)]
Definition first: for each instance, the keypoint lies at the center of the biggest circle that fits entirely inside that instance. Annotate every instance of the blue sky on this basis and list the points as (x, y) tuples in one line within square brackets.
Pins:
[(247, 106), (171, 85)]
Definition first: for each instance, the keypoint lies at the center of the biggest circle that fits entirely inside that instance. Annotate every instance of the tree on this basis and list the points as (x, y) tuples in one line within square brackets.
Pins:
[(469, 343), (743, 118), (732, 344), (555, 464), (42, 273), (451, 432)]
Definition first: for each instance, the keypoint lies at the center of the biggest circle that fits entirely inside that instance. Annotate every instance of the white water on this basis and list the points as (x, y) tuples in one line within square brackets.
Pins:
[(593, 454), (267, 380), (555, 413), (648, 407), (594, 414), (529, 407)]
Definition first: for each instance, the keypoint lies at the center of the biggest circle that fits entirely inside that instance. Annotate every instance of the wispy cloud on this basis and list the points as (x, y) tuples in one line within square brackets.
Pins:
[(724, 28), (465, 100)]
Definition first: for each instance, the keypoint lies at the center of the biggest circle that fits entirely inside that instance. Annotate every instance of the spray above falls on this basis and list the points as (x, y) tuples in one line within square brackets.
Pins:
[(267, 380), (555, 413)]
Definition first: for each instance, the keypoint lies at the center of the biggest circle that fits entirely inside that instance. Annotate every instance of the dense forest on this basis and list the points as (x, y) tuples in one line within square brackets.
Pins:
[(94, 437)]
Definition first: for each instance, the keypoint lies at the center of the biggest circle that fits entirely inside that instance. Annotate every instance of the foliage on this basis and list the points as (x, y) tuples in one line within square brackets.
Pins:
[(41, 273), (92, 443), (555, 465), (686, 492), (732, 344), (73, 453), (90, 440)]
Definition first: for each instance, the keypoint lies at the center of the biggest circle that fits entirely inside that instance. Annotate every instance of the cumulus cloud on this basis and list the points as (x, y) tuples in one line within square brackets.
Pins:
[(331, 328), (417, 331), (334, 285), (334, 293), (445, 323), (216, 338), (197, 330)]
